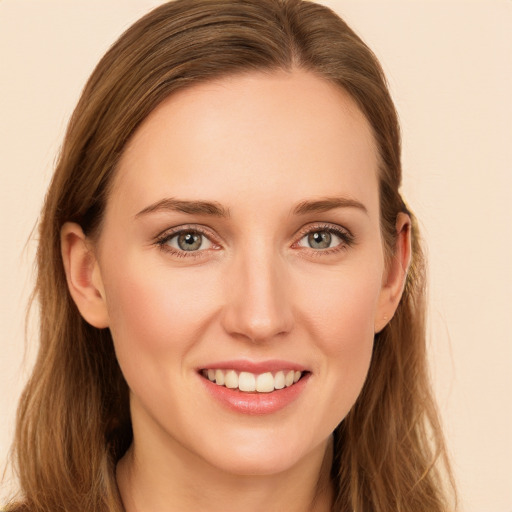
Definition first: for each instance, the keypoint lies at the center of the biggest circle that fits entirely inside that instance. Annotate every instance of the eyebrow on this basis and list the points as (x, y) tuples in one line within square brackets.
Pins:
[(327, 203), (191, 207), (214, 209)]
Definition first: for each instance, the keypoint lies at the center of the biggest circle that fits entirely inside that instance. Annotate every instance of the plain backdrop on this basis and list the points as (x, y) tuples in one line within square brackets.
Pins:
[(449, 66)]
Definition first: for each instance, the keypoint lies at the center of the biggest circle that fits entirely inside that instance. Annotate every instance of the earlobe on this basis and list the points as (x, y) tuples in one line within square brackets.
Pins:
[(396, 273), (83, 275)]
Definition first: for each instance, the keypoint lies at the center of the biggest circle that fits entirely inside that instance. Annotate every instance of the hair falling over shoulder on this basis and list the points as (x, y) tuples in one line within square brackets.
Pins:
[(73, 421)]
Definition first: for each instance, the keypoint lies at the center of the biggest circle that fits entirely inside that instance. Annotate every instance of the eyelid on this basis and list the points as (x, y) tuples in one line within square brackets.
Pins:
[(163, 237), (346, 236), (168, 232)]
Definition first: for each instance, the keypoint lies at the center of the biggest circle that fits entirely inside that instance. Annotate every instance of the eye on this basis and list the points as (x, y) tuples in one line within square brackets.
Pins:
[(189, 240), (319, 240), (326, 237)]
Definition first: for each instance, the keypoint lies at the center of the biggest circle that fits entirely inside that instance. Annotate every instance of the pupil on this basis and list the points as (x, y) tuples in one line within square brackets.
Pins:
[(189, 241), (320, 240)]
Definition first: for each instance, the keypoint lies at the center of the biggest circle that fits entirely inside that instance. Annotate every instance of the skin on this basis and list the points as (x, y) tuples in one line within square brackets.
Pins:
[(257, 146)]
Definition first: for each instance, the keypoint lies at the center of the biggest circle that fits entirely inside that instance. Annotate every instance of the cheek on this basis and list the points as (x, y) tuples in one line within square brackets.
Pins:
[(342, 312), (342, 320), (154, 312)]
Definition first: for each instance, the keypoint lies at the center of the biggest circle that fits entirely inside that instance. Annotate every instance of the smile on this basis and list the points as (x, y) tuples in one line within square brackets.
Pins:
[(250, 382)]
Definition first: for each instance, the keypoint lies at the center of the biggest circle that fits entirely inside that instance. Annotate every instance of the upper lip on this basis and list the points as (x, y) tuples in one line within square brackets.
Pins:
[(256, 367)]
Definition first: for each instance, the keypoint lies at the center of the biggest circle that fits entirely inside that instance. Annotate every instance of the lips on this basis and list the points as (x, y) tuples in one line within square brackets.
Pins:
[(255, 388)]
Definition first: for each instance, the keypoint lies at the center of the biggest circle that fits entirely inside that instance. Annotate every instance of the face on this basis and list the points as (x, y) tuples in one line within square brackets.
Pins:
[(241, 251)]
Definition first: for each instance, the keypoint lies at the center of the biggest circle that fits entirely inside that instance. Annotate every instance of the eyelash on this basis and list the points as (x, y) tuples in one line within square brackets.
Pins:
[(163, 241), (346, 237)]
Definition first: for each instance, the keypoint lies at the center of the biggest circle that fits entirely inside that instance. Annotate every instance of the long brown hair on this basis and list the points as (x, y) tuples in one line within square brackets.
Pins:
[(73, 421)]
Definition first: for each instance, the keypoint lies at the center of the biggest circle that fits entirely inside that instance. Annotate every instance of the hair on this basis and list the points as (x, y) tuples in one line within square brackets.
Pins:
[(73, 422)]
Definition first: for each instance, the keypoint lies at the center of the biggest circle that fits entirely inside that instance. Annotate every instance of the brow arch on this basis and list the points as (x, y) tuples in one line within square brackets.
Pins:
[(210, 208), (325, 204)]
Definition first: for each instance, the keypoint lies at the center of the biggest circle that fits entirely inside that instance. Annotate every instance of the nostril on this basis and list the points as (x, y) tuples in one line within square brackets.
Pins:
[(257, 330)]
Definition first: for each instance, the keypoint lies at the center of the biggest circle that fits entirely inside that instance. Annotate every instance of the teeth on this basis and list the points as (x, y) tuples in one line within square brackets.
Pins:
[(265, 383), (219, 377), (231, 379), (279, 380), (246, 381), (250, 382)]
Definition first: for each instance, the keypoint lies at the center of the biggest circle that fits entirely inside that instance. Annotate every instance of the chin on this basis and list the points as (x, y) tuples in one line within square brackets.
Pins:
[(261, 456), (259, 464)]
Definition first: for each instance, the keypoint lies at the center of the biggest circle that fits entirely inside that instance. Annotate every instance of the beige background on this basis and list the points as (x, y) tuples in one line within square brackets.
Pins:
[(450, 68)]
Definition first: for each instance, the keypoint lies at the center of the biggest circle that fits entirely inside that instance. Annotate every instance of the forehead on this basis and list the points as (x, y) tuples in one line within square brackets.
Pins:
[(254, 136)]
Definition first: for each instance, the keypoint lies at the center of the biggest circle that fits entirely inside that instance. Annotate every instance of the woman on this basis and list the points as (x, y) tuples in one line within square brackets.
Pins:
[(231, 286)]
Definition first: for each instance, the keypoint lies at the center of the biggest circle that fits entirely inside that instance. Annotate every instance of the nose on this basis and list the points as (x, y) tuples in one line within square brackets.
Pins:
[(258, 306)]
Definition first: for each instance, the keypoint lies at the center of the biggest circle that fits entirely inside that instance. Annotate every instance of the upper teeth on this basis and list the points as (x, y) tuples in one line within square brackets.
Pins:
[(246, 381)]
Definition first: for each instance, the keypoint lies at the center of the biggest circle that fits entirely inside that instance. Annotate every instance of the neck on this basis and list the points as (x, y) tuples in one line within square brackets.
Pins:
[(177, 481)]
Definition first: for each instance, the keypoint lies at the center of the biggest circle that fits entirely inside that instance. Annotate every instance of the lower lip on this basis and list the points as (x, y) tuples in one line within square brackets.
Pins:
[(256, 403)]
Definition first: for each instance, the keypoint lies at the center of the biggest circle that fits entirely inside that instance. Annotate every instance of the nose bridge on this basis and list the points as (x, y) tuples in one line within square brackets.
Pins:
[(257, 306)]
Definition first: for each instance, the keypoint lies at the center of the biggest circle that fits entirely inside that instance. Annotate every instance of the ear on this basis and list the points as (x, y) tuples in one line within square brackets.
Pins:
[(83, 275), (396, 273)]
